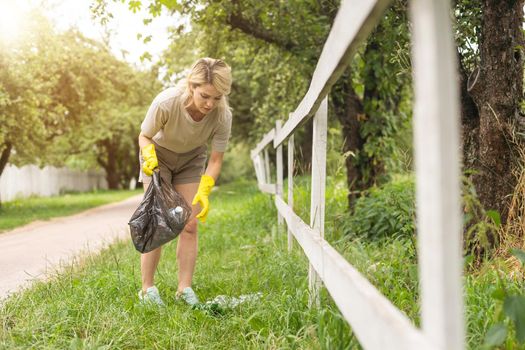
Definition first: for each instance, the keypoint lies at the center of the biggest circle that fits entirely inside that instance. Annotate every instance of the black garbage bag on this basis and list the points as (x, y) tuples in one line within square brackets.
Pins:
[(160, 217)]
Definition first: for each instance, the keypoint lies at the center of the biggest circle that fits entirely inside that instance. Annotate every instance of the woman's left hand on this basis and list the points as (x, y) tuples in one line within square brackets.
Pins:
[(205, 186)]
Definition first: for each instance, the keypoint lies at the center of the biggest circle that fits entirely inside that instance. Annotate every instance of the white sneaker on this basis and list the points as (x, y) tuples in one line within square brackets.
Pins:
[(189, 296), (151, 296)]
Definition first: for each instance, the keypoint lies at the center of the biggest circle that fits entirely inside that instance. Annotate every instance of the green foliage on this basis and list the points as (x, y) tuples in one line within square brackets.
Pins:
[(237, 164), (388, 148), (496, 335), (384, 211), (389, 210), (256, 99), (335, 155), (180, 55), (481, 226), (519, 254), (24, 98), (514, 307), (94, 304), (385, 74), (272, 48), (510, 313), (468, 31), (65, 99)]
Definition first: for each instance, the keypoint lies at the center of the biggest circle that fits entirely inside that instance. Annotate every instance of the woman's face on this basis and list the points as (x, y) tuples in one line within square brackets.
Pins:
[(206, 98)]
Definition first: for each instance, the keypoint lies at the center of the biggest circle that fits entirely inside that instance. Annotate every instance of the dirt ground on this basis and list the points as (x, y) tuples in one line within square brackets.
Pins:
[(38, 250)]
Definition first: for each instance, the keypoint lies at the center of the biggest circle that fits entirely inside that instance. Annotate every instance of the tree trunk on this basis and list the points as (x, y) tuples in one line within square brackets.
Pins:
[(469, 122), (303, 142), (362, 170), (348, 109), (371, 99), (109, 163), (112, 175), (497, 92), (4, 156)]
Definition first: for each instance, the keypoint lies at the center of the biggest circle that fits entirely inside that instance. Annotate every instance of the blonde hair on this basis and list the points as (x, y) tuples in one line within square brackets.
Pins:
[(209, 71)]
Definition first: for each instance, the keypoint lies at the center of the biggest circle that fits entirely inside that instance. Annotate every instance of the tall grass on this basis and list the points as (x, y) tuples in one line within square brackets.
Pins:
[(94, 303), (390, 262)]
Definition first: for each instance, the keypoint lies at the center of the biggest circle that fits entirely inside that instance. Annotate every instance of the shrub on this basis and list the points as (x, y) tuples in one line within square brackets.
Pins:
[(388, 210)]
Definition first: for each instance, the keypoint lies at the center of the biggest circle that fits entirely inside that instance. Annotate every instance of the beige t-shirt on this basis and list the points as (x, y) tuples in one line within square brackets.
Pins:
[(168, 123)]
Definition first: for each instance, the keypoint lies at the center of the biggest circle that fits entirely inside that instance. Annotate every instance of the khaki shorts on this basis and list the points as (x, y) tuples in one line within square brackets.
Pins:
[(177, 168)]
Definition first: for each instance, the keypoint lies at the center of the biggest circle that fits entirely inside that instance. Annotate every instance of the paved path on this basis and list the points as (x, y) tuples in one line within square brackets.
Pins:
[(34, 251)]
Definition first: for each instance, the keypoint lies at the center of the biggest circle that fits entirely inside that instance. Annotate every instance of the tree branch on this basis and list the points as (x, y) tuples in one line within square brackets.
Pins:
[(237, 21)]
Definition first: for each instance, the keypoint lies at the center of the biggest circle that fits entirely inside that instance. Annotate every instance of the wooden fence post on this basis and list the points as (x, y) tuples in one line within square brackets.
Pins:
[(437, 163), (279, 165), (257, 165), (267, 172), (290, 185), (317, 205)]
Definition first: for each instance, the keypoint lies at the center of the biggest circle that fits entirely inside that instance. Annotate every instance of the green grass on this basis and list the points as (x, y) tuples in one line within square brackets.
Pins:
[(23, 211), (390, 263), (93, 304)]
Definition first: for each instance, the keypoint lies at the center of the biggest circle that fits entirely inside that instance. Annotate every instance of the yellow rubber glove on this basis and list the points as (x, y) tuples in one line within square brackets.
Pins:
[(150, 159), (205, 186)]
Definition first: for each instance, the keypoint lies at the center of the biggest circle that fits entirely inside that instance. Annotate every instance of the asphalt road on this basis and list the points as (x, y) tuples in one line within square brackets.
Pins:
[(40, 249)]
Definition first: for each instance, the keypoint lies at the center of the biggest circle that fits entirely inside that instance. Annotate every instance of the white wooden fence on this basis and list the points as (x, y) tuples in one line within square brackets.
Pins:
[(376, 322), (49, 181)]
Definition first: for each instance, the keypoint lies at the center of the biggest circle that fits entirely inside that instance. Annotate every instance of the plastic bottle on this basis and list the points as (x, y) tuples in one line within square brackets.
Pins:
[(176, 214)]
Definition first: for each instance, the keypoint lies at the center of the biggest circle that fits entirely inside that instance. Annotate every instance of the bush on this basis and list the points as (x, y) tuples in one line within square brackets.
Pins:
[(237, 164), (388, 210)]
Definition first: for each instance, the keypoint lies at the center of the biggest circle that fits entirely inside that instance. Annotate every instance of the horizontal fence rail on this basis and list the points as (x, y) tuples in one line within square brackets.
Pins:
[(376, 322)]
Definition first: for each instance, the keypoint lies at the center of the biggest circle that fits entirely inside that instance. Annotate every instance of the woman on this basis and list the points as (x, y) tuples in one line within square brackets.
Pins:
[(173, 137)]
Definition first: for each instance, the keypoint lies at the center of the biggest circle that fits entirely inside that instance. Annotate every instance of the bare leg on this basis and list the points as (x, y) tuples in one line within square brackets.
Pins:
[(187, 242), (148, 264)]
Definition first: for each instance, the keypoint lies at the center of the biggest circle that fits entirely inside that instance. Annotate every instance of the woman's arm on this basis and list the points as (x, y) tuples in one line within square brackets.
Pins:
[(144, 140), (215, 164)]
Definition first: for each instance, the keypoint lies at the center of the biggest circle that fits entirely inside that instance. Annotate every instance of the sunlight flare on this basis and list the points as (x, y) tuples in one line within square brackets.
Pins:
[(11, 21)]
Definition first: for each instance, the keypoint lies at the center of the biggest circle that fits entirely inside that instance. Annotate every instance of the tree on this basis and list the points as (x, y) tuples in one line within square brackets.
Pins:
[(29, 116), (16, 100), (110, 124), (274, 48), (491, 73), (65, 99), (371, 101)]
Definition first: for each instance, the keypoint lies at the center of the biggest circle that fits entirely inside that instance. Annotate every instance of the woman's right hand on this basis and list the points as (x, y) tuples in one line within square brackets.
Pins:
[(150, 159)]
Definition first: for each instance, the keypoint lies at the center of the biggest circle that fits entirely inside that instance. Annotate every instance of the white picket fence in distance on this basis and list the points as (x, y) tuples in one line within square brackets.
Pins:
[(30, 180), (375, 321)]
